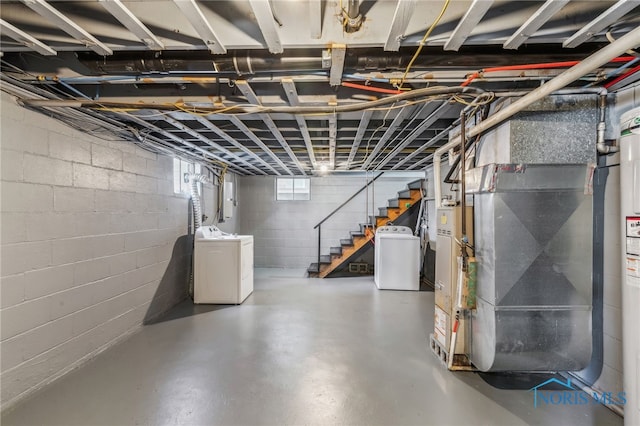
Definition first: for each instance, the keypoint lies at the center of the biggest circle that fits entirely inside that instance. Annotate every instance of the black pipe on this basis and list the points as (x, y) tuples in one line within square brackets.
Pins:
[(250, 62)]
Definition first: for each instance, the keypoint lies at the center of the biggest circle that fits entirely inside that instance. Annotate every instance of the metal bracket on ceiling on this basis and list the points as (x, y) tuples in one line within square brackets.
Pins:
[(25, 39), (315, 18), (267, 23), (132, 23), (399, 23), (201, 24), (326, 58), (338, 53), (51, 14)]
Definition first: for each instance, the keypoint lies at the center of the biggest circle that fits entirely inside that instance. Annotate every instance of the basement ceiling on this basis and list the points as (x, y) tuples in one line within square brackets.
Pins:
[(292, 87)]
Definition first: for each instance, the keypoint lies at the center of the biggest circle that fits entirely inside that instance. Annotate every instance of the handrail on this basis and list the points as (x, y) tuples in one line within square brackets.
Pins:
[(349, 199), (319, 225)]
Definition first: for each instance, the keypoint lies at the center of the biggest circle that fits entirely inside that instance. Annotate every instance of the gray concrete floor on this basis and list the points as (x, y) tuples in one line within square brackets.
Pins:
[(298, 351)]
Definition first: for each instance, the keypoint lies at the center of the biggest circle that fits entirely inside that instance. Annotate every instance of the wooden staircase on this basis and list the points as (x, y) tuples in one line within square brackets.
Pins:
[(359, 241)]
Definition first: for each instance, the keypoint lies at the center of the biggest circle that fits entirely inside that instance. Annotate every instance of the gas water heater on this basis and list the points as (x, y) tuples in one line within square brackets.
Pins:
[(630, 207)]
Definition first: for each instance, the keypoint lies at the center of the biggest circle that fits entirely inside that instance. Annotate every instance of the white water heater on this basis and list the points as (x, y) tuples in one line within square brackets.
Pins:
[(630, 200)]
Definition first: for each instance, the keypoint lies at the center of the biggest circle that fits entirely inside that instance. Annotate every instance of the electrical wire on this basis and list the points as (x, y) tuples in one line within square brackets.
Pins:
[(546, 65), (193, 110), (615, 72), (392, 152), (367, 79), (622, 77), (611, 39), (371, 88), (417, 94), (479, 101), (366, 151), (426, 35)]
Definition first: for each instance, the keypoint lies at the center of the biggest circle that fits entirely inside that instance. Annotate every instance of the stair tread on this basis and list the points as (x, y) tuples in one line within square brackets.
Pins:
[(346, 242), (402, 203), (335, 250), (416, 184), (365, 226), (313, 269), (325, 258)]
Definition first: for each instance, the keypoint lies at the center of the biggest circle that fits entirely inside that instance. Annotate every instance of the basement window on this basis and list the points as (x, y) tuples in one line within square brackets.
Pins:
[(293, 189), (180, 167)]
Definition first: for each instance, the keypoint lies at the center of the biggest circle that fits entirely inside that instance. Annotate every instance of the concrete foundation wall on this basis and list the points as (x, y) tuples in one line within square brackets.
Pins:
[(93, 244)]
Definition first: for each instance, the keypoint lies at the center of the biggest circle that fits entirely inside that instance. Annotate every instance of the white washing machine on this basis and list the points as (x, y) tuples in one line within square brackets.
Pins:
[(223, 267), (397, 259)]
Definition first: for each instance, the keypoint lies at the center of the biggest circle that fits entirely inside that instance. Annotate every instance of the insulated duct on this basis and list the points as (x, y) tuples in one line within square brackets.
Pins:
[(194, 179)]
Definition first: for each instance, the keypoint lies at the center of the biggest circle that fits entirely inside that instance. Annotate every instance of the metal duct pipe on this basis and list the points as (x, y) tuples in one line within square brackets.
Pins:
[(194, 179), (601, 57)]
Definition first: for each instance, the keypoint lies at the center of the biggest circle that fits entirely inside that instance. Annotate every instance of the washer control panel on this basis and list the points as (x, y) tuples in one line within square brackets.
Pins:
[(394, 230)]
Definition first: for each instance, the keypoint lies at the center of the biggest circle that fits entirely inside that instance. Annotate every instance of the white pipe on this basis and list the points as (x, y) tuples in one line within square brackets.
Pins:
[(591, 63)]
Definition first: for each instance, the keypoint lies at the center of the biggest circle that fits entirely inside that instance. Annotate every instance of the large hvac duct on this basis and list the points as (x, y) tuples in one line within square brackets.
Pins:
[(533, 242)]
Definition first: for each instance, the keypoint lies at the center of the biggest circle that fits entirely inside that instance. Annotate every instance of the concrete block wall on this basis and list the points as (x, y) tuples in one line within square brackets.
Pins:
[(92, 245), (283, 230)]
